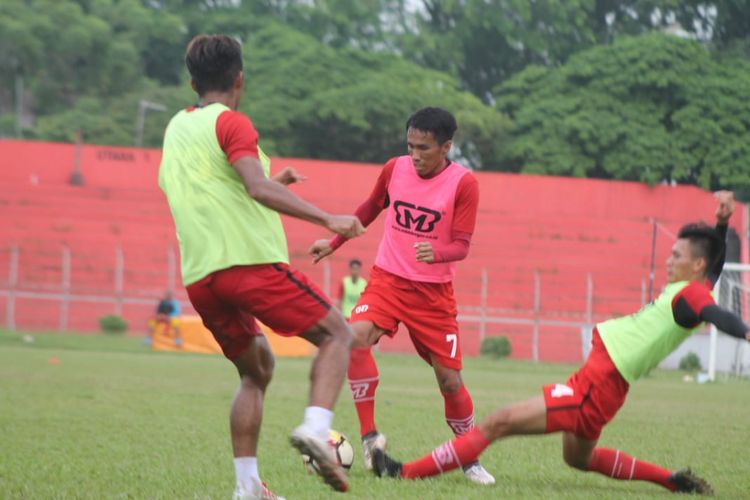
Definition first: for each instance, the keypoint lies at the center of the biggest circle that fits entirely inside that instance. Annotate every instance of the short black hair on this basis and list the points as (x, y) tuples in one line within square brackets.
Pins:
[(441, 123), (213, 62), (704, 241), (355, 262)]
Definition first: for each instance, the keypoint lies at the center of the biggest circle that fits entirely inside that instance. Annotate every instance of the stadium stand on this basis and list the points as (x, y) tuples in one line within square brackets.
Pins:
[(563, 229)]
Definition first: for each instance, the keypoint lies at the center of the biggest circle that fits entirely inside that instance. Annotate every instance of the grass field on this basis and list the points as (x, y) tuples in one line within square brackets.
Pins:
[(102, 417)]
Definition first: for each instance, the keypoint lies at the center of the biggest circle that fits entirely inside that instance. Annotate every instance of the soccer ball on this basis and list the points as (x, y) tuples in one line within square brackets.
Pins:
[(341, 447)]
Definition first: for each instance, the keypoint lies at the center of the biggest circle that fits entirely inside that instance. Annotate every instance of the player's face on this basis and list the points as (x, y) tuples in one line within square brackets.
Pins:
[(427, 154), (682, 265), (354, 271)]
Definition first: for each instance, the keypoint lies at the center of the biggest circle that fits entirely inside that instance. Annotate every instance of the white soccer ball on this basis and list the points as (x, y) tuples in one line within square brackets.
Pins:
[(341, 447)]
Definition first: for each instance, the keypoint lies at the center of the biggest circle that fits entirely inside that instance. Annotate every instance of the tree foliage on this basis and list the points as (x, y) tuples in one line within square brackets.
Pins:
[(337, 78), (350, 102), (311, 93), (647, 108)]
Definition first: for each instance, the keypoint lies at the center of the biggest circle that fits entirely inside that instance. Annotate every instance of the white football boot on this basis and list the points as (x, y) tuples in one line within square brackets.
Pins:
[(308, 443), (257, 491), (372, 441), (478, 474)]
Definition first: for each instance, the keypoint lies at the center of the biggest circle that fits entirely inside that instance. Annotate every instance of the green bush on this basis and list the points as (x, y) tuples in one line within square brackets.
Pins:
[(113, 324), (496, 347), (690, 362)]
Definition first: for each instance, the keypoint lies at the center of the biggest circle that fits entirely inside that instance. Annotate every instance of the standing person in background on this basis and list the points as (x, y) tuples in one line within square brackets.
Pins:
[(351, 288), (234, 259)]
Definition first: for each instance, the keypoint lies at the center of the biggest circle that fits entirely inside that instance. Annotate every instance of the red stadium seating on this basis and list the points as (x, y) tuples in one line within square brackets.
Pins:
[(563, 229)]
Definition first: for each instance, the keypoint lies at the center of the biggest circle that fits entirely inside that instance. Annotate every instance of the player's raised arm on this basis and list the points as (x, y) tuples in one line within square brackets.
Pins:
[(277, 197), (724, 211), (726, 321)]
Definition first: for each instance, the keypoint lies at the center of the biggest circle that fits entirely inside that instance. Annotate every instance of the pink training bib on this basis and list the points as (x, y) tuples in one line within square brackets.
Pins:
[(420, 210)]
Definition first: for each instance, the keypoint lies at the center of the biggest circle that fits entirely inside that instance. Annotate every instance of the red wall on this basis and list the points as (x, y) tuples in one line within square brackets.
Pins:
[(562, 228)]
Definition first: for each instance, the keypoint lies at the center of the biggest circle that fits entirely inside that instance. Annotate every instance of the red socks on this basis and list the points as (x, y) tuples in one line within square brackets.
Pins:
[(459, 411), (464, 450), (619, 465), (461, 451), (363, 380)]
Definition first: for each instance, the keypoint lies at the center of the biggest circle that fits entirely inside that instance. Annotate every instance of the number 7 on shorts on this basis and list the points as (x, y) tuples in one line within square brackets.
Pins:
[(453, 339)]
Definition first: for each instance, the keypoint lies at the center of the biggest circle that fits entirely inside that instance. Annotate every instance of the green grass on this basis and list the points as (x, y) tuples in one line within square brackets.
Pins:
[(112, 420)]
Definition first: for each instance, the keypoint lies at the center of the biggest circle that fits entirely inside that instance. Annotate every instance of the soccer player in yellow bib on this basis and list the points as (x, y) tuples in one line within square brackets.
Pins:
[(351, 288), (623, 350), (235, 262)]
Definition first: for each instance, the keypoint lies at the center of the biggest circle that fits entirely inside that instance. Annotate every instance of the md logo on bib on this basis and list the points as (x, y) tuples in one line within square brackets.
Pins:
[(414, 218)]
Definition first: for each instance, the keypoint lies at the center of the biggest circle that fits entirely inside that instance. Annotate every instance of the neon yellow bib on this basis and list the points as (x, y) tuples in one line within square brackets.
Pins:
[(352, 291), (639, 342), (218, 224)]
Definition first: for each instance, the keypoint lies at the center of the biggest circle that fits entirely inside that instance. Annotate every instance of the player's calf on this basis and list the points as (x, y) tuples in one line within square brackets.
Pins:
[(617, 464)]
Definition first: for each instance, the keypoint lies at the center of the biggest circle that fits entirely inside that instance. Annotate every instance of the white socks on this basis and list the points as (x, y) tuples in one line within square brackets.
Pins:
[(246, 469), (318, 420)]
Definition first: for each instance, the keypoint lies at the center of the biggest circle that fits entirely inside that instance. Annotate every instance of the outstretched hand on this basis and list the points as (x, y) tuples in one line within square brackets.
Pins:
[(320, 250), (725, 209), (288, 176)]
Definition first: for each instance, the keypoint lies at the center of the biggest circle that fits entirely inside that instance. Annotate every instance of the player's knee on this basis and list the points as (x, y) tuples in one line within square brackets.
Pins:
[(575, 461), (259, 378), (259, 374), (339, 331), (362, 334), (498, 424), (450, 383)]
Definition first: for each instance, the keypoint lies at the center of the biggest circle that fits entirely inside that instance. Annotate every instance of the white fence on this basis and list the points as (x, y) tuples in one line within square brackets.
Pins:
[(536, 322)]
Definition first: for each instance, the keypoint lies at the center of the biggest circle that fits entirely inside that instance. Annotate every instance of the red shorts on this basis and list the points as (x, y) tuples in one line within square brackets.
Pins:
[(229, 300), (427, 309), (590, 398)]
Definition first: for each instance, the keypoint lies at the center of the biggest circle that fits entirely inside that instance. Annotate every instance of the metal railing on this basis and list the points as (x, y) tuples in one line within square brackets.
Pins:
[(483, 315)]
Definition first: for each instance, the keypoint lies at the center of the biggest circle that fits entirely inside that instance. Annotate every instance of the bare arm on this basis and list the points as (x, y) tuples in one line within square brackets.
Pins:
[(276, 196)]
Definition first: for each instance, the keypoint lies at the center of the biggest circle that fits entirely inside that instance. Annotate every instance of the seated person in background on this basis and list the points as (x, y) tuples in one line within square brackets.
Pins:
[(167, 313)]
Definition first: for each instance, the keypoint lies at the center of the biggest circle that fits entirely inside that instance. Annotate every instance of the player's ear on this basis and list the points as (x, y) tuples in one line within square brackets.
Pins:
[(446, 146), (239, 81), (700, 265)]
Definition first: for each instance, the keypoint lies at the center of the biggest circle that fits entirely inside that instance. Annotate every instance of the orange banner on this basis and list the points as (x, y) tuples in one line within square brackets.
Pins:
[(196, 338)]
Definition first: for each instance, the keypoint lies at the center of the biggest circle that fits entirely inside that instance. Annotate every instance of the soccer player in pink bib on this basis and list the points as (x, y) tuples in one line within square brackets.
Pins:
[(431, 206)]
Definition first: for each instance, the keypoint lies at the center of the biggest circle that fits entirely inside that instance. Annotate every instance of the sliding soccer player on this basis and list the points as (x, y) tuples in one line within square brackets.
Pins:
[(623, 349)]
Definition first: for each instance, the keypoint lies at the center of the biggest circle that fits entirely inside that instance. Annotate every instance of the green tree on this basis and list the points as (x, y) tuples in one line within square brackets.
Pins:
[(352, 104), (483, 42), (648, 108)]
